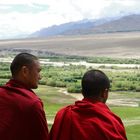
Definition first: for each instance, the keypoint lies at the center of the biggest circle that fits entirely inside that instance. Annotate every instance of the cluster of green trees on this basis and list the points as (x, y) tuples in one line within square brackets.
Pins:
[(103, 60), (66, 76), (4, 73), (70, 77), (125, 80), (100, 60)]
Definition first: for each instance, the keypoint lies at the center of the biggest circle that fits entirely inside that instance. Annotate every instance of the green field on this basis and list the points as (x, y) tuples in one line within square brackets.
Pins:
[(54, 99)]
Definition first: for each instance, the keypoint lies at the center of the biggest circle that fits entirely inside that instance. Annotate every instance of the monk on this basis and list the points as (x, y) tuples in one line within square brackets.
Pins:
[(21, 111), (90, 118)]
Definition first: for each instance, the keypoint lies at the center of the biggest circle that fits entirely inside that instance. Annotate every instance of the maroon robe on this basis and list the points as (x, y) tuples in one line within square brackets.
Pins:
[(21, 114), (87, 120)]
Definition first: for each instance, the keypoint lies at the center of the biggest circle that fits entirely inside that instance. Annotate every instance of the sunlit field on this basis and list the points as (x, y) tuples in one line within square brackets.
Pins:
[(124, 45)]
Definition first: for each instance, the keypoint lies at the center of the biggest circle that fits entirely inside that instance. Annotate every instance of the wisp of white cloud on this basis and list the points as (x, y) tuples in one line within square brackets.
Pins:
[(36, 14)]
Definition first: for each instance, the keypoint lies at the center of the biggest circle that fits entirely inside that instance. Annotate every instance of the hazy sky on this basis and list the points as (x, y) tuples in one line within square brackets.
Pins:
[(19, 17)]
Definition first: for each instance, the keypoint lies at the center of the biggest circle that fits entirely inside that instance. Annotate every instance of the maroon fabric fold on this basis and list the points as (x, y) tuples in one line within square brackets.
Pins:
[(21, 113), (87, 120)]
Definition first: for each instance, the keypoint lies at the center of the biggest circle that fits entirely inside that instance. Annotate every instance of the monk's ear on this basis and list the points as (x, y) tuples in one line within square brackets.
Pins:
[(24, 71), (105, 94)]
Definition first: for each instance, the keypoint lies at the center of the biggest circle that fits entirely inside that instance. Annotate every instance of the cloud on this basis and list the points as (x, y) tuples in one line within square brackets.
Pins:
[(12, 2), (121, 7), (22, 8), (20, 17)]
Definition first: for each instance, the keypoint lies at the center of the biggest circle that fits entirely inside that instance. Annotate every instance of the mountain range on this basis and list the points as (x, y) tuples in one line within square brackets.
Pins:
[(127, 23)]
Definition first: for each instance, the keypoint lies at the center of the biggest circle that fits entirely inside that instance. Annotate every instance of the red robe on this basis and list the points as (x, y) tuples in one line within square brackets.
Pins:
[(87, 120), (21, 114)]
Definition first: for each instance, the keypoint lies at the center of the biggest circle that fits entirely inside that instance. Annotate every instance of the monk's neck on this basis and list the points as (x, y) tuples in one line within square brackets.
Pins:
[(96, 99), (20, 81)]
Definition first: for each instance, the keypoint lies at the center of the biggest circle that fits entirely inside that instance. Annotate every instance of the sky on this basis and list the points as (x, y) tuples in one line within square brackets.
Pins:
[(21, 17)]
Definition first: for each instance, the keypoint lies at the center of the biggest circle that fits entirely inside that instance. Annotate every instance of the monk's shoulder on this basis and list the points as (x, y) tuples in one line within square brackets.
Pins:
[(63, 111)]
